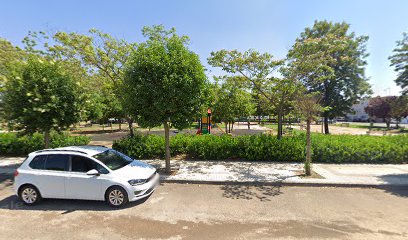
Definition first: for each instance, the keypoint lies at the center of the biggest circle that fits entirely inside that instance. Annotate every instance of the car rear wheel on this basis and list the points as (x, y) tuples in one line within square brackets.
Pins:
[(116, 196), (29, 195)]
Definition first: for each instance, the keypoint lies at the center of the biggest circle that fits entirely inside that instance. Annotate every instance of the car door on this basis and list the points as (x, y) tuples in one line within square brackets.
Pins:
[(79, 185), (51, 180)]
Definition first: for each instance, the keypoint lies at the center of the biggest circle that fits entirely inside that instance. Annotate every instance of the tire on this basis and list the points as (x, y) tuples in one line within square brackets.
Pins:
[(29, 195), (116, 197)]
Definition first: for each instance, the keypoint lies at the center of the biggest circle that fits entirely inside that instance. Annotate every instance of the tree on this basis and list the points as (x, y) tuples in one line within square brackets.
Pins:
[(380, 107), (331, 50), (9, 56), (42, 98), (98, 52), (231, 102), (258, 69), (308, 106), (400, 63), (165, 82), (399, 108)]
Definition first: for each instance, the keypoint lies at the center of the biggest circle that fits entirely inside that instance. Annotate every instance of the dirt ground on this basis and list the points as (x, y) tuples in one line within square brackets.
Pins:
[(183, 211), (340, 130)]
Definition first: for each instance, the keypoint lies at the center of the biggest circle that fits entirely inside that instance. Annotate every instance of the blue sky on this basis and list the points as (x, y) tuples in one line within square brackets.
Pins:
[(270, 26)]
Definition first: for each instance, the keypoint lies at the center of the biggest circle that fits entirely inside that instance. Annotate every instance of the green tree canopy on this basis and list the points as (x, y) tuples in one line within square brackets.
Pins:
[(42, 97), (400, 62), (165, 82), (102, 55), (399, 108), (329, 59), (258, 70), (231, 101)]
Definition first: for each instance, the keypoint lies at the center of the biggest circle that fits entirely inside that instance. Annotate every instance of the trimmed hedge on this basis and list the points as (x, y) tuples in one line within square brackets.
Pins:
[(12, 144), (325, 148)]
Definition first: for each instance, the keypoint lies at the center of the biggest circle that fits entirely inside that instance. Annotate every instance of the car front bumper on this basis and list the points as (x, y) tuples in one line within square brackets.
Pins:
[(142, 191)]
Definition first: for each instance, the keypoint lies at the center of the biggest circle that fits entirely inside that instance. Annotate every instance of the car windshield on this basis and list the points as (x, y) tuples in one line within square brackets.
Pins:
[(113, 159)]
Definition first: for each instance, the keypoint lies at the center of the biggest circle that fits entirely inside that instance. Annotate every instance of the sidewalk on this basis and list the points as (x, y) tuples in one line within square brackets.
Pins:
[(358, 175), (222, 172)]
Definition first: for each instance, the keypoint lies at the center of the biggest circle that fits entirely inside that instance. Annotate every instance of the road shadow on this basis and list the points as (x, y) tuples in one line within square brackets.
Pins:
[(395, 180), (67, 206), (6, 180), (262, 193)]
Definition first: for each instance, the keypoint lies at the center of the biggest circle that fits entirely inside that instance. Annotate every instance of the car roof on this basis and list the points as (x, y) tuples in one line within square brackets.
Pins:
[(88, 150)]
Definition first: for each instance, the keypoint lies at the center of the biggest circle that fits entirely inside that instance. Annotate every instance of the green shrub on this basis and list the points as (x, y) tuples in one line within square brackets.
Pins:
[(13, 144), (325, 148)]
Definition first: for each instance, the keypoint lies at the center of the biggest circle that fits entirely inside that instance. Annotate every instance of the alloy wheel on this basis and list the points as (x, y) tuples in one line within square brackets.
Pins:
[(29, 195), (116, 197)]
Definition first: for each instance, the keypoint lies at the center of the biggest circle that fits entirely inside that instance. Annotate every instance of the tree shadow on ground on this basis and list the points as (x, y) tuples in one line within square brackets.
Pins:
[(262, 193), (65, 205), (6, 180), (395, 180)]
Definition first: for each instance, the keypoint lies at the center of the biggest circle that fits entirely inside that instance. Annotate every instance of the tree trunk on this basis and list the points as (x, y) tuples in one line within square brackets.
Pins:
[(387, 121), (47, 138), (326, 125), (280, 129), (130, 125), (167, 139), (120, 124), (249, 125), (308, 149), (259, 119), (226, 127)]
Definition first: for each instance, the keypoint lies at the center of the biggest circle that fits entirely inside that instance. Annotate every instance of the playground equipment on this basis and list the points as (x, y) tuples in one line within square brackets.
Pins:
[(205, 124)]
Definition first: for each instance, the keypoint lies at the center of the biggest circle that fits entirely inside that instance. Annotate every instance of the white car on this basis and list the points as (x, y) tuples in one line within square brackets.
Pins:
[(84, 172)]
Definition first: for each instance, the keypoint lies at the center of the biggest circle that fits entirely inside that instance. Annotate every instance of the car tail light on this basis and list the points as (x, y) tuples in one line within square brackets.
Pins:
[(16, 173)]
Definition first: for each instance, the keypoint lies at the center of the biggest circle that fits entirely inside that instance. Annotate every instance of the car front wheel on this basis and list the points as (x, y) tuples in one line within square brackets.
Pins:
[(116, 196), (29, 195)]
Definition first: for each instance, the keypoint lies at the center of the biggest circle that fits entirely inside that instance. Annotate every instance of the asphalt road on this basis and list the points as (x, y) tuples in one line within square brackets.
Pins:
[(183, 211)]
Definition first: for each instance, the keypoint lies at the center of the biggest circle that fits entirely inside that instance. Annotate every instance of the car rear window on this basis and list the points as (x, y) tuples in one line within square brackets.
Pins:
[(38, 162)]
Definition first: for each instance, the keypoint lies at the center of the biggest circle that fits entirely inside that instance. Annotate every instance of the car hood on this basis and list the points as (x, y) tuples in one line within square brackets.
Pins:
[(135, 170)]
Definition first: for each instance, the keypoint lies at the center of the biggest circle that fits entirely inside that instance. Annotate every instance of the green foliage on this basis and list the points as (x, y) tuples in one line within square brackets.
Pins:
[(325, 148), (13, 144), (329, 59), (399, 107), (360, 149), (43, 97), (400, 63), (165, 81), (231, 101), (257, 70)]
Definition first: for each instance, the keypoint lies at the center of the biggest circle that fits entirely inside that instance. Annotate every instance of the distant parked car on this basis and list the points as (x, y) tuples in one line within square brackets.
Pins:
[(84, 172)]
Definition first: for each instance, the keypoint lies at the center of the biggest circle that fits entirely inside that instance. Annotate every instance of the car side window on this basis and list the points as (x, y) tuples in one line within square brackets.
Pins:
[(84, 164), (38, 162), (57, 162)]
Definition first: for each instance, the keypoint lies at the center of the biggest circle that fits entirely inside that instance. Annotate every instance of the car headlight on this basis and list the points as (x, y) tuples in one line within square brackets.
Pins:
[(134, 182)]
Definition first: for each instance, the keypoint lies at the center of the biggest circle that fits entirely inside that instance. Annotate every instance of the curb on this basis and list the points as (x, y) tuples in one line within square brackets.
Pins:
[(274, 183), (288, 184)]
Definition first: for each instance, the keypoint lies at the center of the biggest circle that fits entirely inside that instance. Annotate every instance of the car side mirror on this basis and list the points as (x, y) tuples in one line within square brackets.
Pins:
[(93, 172)]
